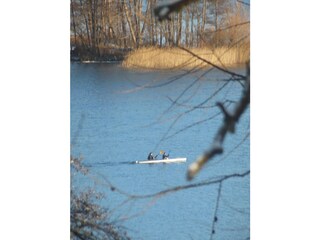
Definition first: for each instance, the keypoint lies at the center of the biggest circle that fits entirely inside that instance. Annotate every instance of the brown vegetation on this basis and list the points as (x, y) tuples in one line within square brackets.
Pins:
[(97, 27), (168, 58)]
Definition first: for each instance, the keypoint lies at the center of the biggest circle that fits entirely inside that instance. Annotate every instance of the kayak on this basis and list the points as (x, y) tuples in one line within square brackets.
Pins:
[(167, 160)]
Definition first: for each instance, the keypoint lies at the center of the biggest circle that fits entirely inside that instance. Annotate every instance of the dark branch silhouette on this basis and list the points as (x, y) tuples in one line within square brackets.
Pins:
[(152, 84), (189, 111), (202, 107), (192, 125), (232, 26), (244, 3), (163, 11), (215, 218), (230, 119), (212, 64), (216, 180)]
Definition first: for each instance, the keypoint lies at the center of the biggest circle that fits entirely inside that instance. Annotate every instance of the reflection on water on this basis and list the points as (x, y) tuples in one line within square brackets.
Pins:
[(115, 122)]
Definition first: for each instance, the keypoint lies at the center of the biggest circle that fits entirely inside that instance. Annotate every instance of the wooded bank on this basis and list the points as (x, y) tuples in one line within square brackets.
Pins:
[(109, 29)]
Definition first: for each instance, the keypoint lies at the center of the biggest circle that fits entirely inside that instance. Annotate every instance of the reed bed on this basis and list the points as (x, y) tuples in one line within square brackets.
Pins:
[(171, 58)]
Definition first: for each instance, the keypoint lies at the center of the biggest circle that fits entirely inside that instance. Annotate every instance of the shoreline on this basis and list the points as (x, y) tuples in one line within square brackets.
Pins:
[(167, 59), (96, 61)]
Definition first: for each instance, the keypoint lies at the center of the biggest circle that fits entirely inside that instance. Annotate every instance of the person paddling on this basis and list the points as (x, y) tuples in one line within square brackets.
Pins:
[(151, 157), (165, 156)]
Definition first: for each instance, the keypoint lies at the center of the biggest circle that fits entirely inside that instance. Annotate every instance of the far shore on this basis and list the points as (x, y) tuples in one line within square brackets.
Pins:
[(96, 61), (174, 58), (155, 58)]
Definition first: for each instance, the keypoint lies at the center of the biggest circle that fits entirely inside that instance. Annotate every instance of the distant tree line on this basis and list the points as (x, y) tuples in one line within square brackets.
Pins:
[(100, 27)]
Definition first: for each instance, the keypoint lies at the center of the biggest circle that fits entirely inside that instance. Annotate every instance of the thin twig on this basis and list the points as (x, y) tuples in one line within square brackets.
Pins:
[(244, 3), (192, 125), (215, 218), (193, 185), (212, 64), (186, 112), (186, 89), (230, 119)]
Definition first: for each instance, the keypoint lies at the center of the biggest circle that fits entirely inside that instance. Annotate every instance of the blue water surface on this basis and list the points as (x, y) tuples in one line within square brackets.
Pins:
[(118, 116)]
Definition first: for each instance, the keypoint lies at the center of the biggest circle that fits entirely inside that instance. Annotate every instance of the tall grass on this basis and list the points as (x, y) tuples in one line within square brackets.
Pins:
[(169, 58)]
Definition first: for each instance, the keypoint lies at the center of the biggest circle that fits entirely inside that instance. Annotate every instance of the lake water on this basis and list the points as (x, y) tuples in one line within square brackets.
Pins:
[(114, 122)]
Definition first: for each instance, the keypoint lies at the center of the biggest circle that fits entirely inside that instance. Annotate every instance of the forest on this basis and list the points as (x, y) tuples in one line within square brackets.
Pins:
[(105, 30)]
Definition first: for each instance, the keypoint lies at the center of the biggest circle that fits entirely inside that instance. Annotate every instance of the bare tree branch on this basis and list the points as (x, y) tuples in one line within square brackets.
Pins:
[(202, 107), (230, 119), (212, 64), (234, 44), (162, 12), (186, 112), (152, 84), (233, 149), (186, 89), (244, 3), (232, 26), (215, 218), (199, 184), (192, 125)]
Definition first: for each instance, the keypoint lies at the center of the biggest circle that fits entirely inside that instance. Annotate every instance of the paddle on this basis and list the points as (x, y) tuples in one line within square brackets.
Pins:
[(162, 152)]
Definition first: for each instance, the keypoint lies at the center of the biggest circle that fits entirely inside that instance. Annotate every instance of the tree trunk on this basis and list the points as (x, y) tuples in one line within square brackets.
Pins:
[(192, 16), (128, 17), (87, 43), (180, 29), (187, 26), (73, 22), (204, 14)]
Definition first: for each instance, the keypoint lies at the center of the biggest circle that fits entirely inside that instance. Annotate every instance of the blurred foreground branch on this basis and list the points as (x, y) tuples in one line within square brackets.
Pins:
[(230, 120), (162, 12)]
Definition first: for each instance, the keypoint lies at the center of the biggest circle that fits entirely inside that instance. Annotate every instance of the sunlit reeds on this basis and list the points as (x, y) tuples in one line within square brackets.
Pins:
[(169, 58)]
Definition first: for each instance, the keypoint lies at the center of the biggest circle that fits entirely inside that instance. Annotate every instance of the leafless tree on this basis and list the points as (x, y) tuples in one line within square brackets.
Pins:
[(103, 27), (88, 219)]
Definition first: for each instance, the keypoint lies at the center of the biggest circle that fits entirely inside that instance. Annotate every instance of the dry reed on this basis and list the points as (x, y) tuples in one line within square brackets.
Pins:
[(170, 58)]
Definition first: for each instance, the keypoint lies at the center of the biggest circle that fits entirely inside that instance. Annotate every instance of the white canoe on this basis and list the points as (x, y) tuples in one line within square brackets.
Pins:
[(168, 160)]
